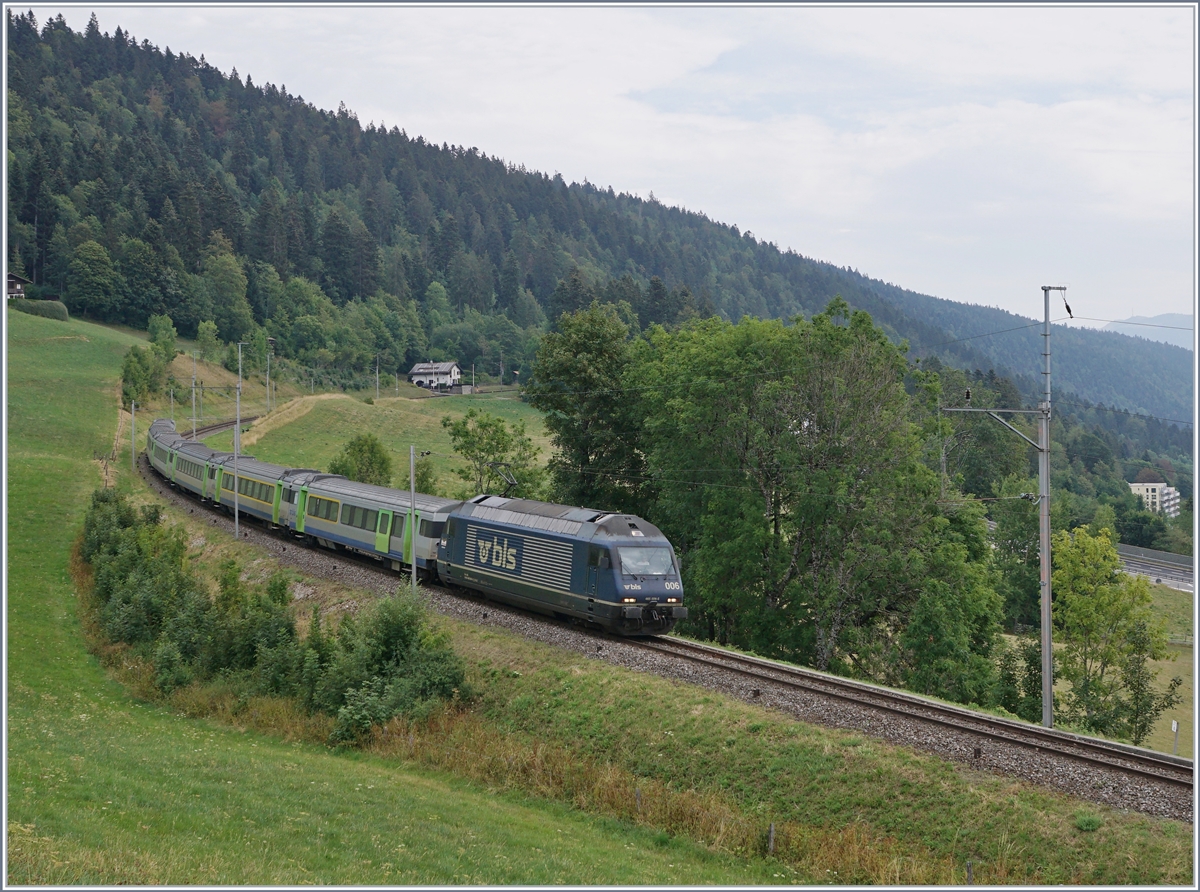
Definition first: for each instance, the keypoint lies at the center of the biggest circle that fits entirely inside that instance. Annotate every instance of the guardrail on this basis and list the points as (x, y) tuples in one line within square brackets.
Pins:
[(1182, 561)]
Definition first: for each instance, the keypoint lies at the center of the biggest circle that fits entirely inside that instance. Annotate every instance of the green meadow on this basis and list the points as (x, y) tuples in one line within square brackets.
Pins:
[(563, 771), (1176, 609), (104, 788), (313, 439)]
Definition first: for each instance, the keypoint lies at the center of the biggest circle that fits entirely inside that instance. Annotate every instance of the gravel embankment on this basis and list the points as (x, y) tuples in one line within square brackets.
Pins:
[(1110, 787)]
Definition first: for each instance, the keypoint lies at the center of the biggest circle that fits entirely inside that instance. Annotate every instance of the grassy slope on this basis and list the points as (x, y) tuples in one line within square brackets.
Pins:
[(691, 738), (103, 789), (399, 423), (1176, 609)]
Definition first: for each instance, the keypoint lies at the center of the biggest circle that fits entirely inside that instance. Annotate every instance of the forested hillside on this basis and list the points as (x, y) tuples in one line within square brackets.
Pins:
[(147, 182)]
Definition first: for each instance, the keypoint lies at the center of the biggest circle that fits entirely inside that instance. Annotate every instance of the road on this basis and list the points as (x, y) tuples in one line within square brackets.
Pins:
[(1178, 578)]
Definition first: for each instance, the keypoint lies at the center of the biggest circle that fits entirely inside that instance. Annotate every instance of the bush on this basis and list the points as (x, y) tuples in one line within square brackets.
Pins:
[(385, 662), (51, 309), (364, 459), (142, 373)]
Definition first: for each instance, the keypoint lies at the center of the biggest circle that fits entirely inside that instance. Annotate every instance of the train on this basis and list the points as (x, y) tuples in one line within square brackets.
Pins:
[(613, 571)]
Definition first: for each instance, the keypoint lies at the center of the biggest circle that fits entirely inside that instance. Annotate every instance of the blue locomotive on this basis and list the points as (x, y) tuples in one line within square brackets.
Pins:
[(615, 571)]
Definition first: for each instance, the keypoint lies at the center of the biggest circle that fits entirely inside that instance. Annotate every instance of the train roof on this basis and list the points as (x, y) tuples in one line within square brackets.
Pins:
[(199, 451), (567, 519), (344, 487), (248, 465)]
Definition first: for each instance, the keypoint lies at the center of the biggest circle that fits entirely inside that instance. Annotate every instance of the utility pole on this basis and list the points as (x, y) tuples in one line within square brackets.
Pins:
[(376, 377), (412, 516), (1043, 500), (237, 444), (270, 343), (133, 437), (193, 394)]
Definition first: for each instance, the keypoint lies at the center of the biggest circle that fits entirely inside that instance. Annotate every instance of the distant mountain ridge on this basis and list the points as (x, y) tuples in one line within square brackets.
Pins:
[(1110, 368), (1169, 328)]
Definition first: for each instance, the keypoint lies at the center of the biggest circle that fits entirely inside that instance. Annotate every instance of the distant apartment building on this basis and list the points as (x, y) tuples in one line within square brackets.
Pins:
[(1158, 497)]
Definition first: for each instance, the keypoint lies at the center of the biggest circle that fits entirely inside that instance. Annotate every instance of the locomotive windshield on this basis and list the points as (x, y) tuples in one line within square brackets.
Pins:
[(642, 561)]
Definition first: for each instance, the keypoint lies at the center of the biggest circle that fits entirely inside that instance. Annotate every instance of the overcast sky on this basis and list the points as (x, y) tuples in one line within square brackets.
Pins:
[(973, 153)]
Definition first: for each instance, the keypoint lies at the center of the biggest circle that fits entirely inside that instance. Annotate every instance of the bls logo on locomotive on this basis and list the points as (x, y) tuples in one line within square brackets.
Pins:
[(501, 554)]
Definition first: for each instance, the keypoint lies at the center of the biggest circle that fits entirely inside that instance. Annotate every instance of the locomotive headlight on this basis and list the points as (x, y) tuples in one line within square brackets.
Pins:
[(672, 600), (629, 600)]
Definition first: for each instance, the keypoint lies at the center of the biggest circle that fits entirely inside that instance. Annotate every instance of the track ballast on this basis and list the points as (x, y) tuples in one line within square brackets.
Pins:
[(1121, 776)]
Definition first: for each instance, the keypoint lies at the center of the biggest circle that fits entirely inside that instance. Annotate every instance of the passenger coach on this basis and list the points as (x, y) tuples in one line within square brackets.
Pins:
[(372, 520)]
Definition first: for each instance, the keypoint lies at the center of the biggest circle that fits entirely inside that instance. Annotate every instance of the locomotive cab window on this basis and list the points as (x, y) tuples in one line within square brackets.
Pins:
[(646, 561)]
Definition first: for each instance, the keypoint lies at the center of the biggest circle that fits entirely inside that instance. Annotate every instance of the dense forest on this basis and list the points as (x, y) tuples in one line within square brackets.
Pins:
[(144, 182)]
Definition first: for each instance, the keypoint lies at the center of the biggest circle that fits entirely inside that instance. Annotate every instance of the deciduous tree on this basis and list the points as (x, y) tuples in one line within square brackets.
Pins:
[(364, 459), (1108, 631), (487, 444), (577, 381)]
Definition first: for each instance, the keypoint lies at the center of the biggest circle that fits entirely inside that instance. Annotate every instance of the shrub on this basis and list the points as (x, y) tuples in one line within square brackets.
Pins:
[(142, 373), (51, 309), (385, 662)]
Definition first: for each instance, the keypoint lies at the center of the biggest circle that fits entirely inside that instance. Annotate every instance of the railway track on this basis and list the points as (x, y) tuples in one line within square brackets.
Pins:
[(1133, 761), (217, 427), (1118, 775)]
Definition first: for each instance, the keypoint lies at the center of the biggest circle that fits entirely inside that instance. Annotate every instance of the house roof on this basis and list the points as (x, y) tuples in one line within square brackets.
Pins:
[(13, 277), (428, 368)]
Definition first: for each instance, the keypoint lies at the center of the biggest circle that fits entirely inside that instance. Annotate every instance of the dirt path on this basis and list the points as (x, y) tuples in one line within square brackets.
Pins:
[(293, 410), (105, 463)]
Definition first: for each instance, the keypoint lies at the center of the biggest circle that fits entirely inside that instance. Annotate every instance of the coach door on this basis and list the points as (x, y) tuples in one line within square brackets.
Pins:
[(216, 496), (275, 504), (301, 508), (402, 529), (383, 532)]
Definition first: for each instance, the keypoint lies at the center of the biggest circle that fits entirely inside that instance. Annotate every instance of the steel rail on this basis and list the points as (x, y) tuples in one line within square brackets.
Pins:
[(1096, 752), (217, 427), (1114, 756)]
